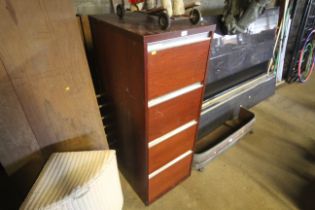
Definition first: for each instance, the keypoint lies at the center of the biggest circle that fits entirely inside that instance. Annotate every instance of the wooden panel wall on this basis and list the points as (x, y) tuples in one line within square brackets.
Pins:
[(17, 137), (46, 94)]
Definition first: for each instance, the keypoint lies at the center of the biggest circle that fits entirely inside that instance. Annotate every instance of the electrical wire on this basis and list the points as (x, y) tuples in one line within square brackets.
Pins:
[(281, 43), (304, 74), (309, 48)]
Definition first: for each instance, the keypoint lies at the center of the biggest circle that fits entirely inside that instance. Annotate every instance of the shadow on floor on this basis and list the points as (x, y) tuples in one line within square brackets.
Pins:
[(306, 201)]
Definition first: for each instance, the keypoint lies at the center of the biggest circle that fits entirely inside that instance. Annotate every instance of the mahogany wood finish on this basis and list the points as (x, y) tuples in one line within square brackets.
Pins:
[(131, 77), (161, 154), (172, 69), (123, 81), (170, 115), (169, 178)]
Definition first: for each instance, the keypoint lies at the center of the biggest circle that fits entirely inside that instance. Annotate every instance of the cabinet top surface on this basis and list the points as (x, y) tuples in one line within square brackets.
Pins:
[(145, 26)]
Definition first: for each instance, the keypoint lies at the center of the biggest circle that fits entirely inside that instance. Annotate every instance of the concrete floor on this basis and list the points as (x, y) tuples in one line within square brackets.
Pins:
[(274, 168)]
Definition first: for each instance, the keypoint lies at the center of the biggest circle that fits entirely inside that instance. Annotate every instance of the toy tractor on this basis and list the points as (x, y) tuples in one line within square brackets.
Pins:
[(164, 15)]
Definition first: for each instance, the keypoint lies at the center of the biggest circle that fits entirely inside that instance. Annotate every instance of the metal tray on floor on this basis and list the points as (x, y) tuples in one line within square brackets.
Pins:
[(226, 105), (222, 138)]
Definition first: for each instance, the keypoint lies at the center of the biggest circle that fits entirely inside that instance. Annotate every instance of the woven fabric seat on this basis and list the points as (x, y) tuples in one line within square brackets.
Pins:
[(77, 180)]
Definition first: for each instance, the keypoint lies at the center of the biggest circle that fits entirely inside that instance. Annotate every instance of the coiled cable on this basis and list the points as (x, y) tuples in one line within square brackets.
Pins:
[(307, 59)]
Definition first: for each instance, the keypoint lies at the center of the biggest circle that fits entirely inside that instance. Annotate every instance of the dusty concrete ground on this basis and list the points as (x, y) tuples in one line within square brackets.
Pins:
[(273, 168)]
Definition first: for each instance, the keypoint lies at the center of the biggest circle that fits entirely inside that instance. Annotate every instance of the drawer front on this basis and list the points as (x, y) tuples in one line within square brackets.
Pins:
[(171, 148), (169, 178), (174, 113), (174, 68)]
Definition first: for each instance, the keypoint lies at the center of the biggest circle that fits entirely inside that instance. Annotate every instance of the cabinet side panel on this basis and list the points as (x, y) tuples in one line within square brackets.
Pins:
[(120, 60)]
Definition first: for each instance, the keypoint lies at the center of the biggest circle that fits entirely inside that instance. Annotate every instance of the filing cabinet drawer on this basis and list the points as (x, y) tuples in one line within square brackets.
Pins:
[(169, 149), (169, 178), (174, 68), (174, 113)]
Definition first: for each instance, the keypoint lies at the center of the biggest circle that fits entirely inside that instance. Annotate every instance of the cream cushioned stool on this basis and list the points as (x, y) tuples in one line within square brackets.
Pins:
[(77, 180)]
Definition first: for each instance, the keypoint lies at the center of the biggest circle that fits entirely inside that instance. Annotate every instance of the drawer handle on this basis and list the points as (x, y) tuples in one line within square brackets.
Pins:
[(177, 42), (166, 166), (174, 94), (172, 133)]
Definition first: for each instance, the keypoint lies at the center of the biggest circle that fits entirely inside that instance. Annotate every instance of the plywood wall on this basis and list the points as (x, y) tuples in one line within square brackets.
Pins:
[(47, 100)]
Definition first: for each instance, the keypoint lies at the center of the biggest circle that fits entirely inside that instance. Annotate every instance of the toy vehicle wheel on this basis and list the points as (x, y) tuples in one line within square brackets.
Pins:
[(164, 21), (120, 10), (195, 16)]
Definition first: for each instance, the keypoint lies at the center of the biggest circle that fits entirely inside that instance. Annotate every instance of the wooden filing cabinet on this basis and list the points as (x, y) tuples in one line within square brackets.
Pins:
[(154, 82)]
